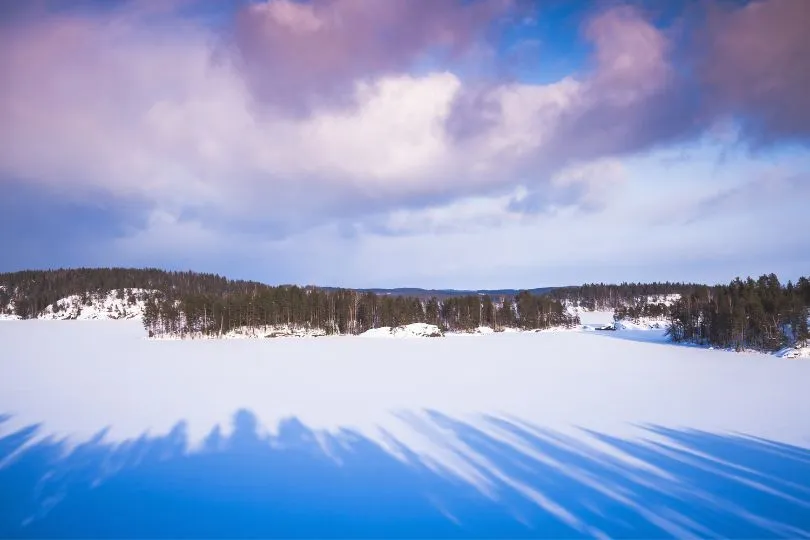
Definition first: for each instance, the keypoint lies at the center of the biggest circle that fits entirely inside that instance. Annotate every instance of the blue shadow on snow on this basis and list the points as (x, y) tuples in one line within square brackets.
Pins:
[(300, 483)]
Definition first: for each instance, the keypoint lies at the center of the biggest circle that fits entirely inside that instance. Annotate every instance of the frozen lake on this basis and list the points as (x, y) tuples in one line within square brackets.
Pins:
[(555, 434)]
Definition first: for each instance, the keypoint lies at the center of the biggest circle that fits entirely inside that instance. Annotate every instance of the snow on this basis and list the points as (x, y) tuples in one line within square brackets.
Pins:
[(414, 330), (275, 331), (107, 306), (94, 374), (592, 318), (85, 382), (7, 311), (480, 331), (642, 323), (666, 299), (794, 352), (252, 332)]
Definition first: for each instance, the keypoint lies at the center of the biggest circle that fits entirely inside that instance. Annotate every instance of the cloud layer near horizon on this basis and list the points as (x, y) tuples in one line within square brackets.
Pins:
[(370, 119)]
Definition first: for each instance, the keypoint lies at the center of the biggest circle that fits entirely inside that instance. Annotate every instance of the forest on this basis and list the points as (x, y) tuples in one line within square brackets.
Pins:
[(758, 314), (189, 303), (604, 297)]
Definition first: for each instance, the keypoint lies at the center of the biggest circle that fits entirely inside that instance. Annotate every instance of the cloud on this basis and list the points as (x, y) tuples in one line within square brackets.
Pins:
[(145, 113), (359, 118), (774, 191), (300, 55), (150, 112), (753, 64), (629, 101), (651, 86)]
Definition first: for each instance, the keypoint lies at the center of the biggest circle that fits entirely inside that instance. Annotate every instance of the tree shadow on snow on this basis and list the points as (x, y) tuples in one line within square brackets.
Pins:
[(301, 483)]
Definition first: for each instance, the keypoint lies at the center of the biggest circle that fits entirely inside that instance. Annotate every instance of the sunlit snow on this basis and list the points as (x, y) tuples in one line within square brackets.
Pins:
[(443, 404)]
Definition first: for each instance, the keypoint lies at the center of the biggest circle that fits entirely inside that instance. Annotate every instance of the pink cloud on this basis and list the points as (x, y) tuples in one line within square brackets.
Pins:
[(755, 64), (631, 56), (632, 98), (299, 54), (629, 100), (110, 102)]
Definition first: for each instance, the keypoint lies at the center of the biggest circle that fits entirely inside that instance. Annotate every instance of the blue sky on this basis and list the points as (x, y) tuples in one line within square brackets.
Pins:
[(474, 144)]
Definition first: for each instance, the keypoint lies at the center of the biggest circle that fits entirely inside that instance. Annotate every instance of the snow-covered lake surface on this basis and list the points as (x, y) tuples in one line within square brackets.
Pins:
[(551, 434)]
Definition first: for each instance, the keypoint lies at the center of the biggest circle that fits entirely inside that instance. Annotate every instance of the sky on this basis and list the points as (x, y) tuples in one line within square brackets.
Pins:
[(430, 143)]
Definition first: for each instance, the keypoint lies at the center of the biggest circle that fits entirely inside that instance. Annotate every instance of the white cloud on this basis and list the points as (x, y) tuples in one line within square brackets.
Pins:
[(164, 115)]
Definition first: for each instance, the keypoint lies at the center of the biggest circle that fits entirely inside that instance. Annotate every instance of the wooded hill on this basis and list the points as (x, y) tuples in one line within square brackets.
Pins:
[(761, 314), (207, 304), (605, 297)]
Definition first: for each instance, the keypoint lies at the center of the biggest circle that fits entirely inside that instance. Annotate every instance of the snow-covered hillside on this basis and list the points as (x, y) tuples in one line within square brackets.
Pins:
[(116, 304)]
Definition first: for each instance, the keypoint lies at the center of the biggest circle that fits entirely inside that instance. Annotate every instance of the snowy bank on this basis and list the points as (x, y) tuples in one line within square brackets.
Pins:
[(249, 332), (794, 352), (116, 304), (642, 323), (405, 331)]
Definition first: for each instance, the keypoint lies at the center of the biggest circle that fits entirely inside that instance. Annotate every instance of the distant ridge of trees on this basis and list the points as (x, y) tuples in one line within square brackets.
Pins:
[(757, 314), (760, 314), (605, 297), (208, 304), (441, 294)]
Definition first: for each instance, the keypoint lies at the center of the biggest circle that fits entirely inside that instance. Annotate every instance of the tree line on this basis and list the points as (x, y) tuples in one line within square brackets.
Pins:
[(344, 311), (601, 296), (31, 291), (762, 314), (759, 314), (190, 303)]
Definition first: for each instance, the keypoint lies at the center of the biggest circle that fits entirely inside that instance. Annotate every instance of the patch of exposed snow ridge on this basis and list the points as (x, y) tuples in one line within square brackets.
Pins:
[(666, 299), (406, 331), (794, 352), (116, 304), (7, 312), (247, 332), (642, 323)]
